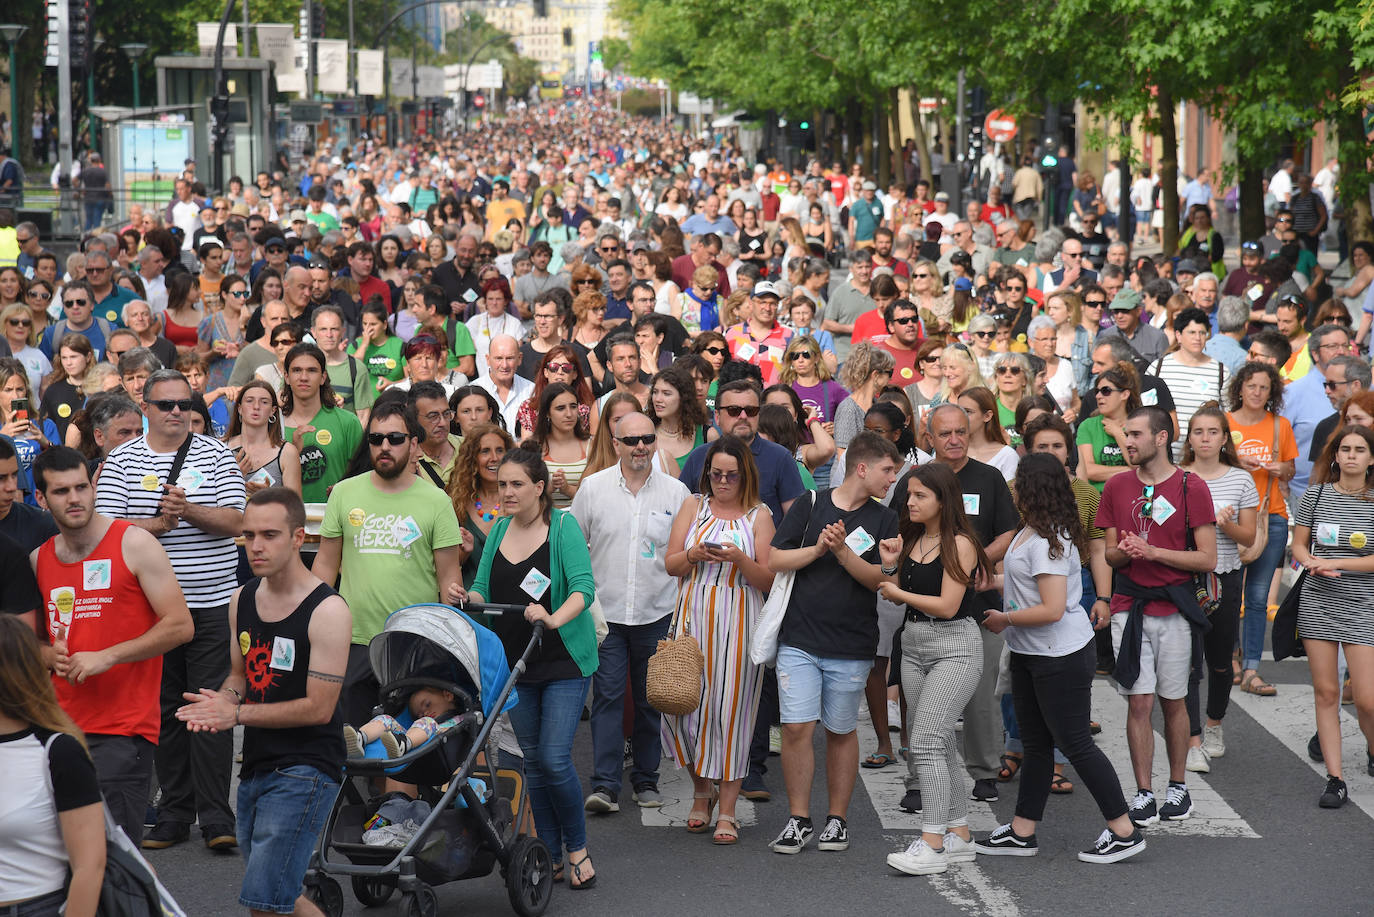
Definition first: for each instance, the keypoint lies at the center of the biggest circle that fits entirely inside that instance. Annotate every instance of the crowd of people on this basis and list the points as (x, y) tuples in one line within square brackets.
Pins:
[(603, 370)]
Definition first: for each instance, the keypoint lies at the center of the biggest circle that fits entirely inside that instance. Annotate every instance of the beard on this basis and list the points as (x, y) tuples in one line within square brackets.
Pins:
[(395, 469)]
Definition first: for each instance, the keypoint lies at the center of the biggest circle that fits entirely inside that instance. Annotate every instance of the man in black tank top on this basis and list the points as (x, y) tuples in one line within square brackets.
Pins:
[(290, 647)]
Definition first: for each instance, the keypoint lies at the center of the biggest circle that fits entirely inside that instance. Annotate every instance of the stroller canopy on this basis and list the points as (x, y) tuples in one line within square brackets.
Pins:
[(439, 641)]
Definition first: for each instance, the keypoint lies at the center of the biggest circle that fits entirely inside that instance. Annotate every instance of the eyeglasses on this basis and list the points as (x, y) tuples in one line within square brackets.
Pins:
[(240, 294), (735, 410), (435, 416), (724, 477), (647, 439), (1016, 289), (1147, 508), (560, 367), (40, 295), (394, 439), (168, 405), (713, 351), (985, 334), (1104, 390), (76, 302), (799, 355), (1328, 384), (904, 320), (97, 270), (21, 322), (1005, 370), (284, 342)]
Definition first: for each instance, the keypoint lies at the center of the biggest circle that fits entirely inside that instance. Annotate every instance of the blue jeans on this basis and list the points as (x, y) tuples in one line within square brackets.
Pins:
[(1258, 576), (627, 647), (95, 212), (279, 819), (545, 720)]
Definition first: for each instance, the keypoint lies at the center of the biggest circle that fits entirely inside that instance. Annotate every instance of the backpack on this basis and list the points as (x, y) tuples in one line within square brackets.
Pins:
[(60, 330)]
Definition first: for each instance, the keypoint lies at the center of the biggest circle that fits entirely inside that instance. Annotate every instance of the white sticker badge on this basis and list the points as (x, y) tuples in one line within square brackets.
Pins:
[(535, 584), (191, 479), (859, 540), (1328, 533), (283, 654), (745, 351), (1162, 510), (971, 503), (95, 575)]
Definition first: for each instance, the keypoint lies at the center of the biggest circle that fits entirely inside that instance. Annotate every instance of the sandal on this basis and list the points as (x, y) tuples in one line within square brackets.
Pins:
[(697, 823), (1253, 684), (1235, 670), (581, 883), (1061, 785), (557, 872), (1011, 765), (905, 753), (724, 837), (875, 761)]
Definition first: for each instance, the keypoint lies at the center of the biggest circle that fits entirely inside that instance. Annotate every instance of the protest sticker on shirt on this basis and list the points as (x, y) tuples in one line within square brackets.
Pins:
[(535, 584), (1162, 510), (1328, 533), (191, 479), (859, 541), (283, 654), (95, 575), (971, 503)]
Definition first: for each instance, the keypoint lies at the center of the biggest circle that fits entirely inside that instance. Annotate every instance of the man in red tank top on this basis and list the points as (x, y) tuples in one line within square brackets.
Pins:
[(112, 608)]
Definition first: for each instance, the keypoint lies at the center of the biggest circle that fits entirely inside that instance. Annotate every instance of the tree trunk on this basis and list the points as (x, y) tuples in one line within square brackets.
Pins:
[(818, 133), (1353, 153), (945, 134), (882, 149), (894, 114), (1251, 198), (853, 131), (922, 141), (834, 130), (1168, 169)]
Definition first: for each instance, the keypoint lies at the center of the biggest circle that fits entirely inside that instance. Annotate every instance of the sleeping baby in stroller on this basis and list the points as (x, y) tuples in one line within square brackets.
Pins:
[(433, 710)]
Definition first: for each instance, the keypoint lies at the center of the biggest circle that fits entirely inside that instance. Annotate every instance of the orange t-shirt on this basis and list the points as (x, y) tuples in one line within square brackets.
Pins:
[(1256, 444)]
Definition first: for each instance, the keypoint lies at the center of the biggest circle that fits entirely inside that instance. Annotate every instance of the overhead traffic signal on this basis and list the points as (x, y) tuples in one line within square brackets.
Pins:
[(81, 32)]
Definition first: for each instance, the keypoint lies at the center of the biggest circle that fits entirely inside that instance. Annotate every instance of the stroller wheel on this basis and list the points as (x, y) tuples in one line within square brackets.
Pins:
[(372, 892), (422, 903), (529, 876), (327, 894)]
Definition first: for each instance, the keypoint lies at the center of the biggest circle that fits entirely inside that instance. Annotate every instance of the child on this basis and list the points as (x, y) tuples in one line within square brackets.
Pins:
[(433, 711)]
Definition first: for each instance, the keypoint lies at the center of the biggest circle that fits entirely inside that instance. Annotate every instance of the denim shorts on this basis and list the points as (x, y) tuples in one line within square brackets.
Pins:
[(279, 819), (814, 688)]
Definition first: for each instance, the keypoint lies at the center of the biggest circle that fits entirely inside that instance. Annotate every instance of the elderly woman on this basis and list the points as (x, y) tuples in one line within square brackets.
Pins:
[(425, 362), (982, 334), (493, 321), (1060, 379), (958, 371), (718, 547), (1011, 374)]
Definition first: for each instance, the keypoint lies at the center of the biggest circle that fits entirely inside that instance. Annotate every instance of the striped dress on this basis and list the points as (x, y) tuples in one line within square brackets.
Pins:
[(719, 608)]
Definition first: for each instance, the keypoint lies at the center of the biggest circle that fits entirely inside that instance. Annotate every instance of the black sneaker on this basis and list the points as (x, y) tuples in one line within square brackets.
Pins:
[(1178, 805), (984, 790), (166, 834), (1143, 810), (219, 837), (1005, 842), (834, 836), (1112, 849), (911, 802), (1334, 796), (794, 837), (1314, 749), (753, 788)]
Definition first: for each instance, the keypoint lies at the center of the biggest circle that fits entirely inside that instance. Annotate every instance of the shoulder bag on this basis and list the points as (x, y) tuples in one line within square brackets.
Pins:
[(763, 642), (1285, 635), (1206, 585), (1251, 554)]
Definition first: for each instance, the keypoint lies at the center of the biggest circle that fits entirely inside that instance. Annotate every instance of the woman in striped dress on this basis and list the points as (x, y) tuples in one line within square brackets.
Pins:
[(718, 549), (1192, 376)]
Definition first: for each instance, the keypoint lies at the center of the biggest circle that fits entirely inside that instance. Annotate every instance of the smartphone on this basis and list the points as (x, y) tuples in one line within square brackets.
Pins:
[(20, 407), (713, 545)]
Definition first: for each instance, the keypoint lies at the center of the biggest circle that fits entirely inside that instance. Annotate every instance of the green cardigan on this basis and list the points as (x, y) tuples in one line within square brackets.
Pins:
[(572, 572)]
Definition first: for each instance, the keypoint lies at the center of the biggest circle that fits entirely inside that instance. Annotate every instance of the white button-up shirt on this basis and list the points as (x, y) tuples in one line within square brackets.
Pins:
[(627, 535), (520, 391)]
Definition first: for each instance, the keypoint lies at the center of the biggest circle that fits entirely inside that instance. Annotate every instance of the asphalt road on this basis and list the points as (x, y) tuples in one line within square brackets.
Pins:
[(1257, 844)]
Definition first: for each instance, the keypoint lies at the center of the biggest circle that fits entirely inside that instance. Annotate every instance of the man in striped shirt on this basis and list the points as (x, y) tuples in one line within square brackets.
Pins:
[(188, 491)]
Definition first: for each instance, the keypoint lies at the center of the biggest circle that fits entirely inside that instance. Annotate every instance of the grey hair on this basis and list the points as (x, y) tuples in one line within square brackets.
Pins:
[(141, 358), (103, 408), (1121, 351), (570, 252), (1356, 369), (930, 415), (729, 245), (981, 322), (1040, 321), (1020, 359), (1207, 275), (1233, 314), (124, 311), (1318, 333), (148, 253), (160, 376), (1111, 272)]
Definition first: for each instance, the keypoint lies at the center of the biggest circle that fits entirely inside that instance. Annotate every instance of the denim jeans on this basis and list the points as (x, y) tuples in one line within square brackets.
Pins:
[(1258, 576), (626, 647), (545, 720), (280, 815), (95, 212)]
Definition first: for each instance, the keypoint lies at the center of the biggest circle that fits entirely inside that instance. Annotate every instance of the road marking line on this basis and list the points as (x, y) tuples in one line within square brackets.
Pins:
[(1212, 815), (1289, 717)]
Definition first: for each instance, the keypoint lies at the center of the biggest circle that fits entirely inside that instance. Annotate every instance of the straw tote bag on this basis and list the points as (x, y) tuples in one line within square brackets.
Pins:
[(673, 681)]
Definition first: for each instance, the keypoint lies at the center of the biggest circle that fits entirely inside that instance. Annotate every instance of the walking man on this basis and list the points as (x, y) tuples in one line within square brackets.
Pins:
[(113, 608), (626, 512), (1149, 516), (287, 660)]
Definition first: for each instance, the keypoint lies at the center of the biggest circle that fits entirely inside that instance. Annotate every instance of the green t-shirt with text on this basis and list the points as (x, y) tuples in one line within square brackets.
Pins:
[(1105, 449), (388, 545), (384, 360), (326, 451)]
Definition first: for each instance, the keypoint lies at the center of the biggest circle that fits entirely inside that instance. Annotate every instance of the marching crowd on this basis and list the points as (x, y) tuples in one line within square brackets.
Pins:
[(588, 365)]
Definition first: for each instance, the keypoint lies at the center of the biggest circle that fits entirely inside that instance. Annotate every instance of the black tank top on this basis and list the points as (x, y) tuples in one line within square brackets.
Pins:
[(929, 579), (276, 660)]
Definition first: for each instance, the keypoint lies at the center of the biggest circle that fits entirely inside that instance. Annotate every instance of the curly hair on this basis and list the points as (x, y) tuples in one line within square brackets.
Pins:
[(1046, 503), (865, 359), (1242, 376), (691, 413), (463, 483)]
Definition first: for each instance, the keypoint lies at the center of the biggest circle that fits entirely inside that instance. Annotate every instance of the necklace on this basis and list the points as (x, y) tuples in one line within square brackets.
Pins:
[(1349, 493), (488, 515), (673, 433)]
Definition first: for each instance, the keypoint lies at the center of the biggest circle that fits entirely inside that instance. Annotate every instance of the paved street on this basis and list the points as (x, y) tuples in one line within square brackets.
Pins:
[(1257, 844)]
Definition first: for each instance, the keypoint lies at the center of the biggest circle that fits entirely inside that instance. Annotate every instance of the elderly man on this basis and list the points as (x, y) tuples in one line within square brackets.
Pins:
[(1305, 402), (626, 513), (509, 390), (1205, 293), (439, 448), (1073, 273), (1346, 377), (1146, 340), (1233, 317), (962, 234)]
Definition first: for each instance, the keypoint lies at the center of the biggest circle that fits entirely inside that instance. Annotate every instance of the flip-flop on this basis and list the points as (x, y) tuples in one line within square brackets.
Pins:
[(873, 762), (1061, 785), (1011, 765)]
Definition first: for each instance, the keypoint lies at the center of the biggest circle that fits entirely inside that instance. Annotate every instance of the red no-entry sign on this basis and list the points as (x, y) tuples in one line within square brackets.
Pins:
[(998, 127)]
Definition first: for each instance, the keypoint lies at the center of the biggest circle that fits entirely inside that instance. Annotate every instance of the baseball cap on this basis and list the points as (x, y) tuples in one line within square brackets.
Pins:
[(942, 196), (639, 245), (298, 216), (274, 242), (1125, 301), (870, 186), (767, 289), (1186, 266), (1252, 247)]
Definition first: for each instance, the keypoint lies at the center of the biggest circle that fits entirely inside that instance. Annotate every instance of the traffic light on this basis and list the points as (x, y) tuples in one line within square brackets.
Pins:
[(479, 101), (81, 30), (567, 37), (316, 20)]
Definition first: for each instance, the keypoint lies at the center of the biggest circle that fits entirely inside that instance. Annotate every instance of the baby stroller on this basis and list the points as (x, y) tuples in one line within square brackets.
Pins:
[(476, 809)]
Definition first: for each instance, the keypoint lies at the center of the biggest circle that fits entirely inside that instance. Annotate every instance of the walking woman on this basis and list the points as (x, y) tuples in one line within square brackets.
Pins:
[(958, 373), (1072, 341), (1012, 376), (560, 364), (1052, 658), (1210, 453), (563, 441), (936, 563), (533, 537), (1101, 438), (53, 845), (679, 419), (377, 348), (1267, 449), (865, 373), (1330, 539), (472, 488), (718, 548), (20, 422), (1191, 375), (265, 459)]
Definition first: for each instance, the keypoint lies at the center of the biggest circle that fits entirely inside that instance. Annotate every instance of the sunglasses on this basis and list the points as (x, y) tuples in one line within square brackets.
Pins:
[(21, 323), (167, 405), (40, 295), (1105, 390), (587, 281), (1147, 508), (724, 477), (1095, 303), (114, 354), (735, 410), (287, 342), (1005, 370), (647, 439), (76, 302), (240, 294), (904, 320), (1328, 385), (393, 439), (800, 355), (714, 351), (932, 358), (560, 367), (985, 334)]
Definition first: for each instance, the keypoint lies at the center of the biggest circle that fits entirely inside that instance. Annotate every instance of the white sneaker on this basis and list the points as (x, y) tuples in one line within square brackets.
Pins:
[(1197, 760), (958, 850), (894, 716), (918, 860), (1213, 742)]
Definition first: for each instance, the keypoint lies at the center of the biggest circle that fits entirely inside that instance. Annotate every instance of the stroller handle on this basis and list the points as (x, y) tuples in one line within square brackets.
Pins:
[(496, 608)]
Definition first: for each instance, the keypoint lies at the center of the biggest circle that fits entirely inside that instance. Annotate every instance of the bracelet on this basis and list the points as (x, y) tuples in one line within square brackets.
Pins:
[(888, 571), (237, 709), (237, 695)]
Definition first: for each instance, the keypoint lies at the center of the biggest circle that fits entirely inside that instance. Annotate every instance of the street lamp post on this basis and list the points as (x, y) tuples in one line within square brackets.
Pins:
[(134, 50), (12, 33), (96, 44)]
